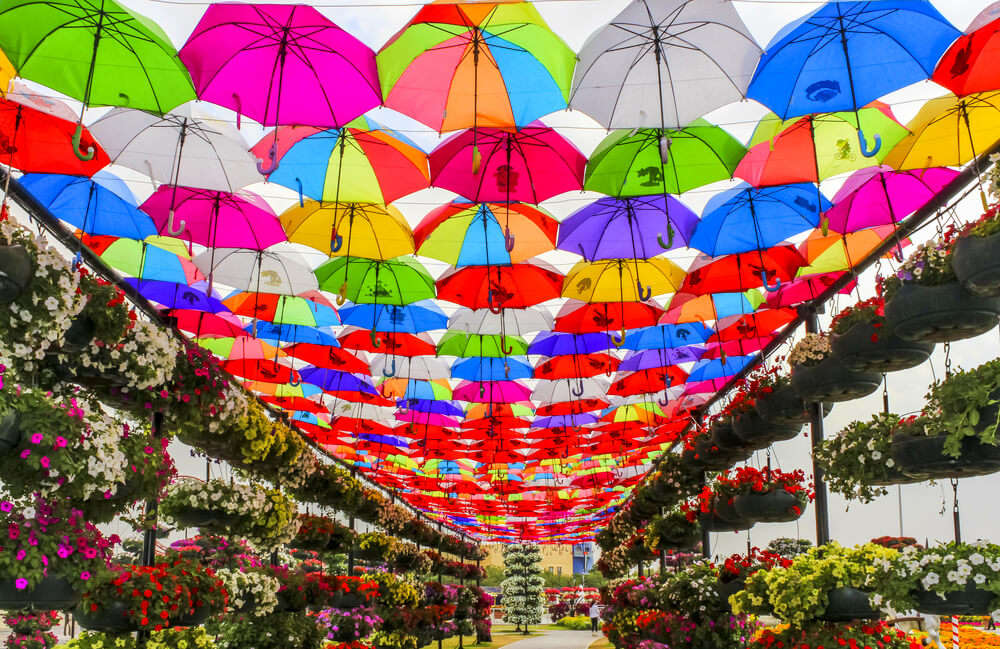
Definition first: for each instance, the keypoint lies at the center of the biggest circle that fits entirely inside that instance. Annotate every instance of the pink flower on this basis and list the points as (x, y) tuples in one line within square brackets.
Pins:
[(85, 575), (25, 453), (6, 506), (21, 583), (21, 554), (37, 438), (63, 551), (61, 442), (45, 462)]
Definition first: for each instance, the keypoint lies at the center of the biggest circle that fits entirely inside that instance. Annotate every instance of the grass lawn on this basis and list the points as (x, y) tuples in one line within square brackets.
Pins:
[(601, 643)]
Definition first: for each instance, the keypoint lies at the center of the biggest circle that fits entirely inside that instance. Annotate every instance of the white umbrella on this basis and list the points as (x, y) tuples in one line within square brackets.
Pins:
[(256, 271), (178, 148), (427, 368), (563, 390), (664, 64), (516, 322)]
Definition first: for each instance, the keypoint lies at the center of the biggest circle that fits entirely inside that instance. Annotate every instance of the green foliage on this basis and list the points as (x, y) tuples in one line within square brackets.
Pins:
[(275, 631), (788, 548), (575, 623), (942, 569), (859, 457), (956, 406), (523, 600)]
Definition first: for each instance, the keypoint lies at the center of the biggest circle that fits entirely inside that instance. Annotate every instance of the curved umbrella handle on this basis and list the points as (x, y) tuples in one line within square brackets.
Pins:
[(302, 202), (507, 351), (294, 382), (865, 151), (391, 373), (239, 110), (508, 240), (77, 135), (376, 343), (272, 155), (644, 296), (663, 402), (336, 242), (489, 303), (342, 294), (618, 342), (770, 289), (577, 390), (181, 225), (670, 238)]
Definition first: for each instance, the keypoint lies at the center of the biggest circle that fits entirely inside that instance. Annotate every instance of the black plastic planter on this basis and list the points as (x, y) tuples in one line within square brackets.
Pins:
[(10, 431), (867, 348), (756, 432), (707, 454), (923, 457), (940, 314), (729, 588), (976, 262), (112, 618), (713, 523), (848, 604), (195, 617), (79, 334), (775, 506), (16, 271), (831, 380), (727, 512), (783, 406), (969, 601), (51, 594), (724, 435), (680, 538), (207, 518)]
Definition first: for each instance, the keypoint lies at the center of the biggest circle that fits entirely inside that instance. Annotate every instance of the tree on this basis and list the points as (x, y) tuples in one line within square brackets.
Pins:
[(522, 598)]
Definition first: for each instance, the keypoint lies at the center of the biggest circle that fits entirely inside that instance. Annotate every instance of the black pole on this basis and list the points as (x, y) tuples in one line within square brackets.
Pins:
[(350, 551), (148, 557), (821, 503), (955, 517)]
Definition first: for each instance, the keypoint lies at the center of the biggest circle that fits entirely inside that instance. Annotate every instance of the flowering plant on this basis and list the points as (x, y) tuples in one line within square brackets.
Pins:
[(928, 265), (747, 479), (30, 630), (871, 311), (143, 358), (274, 631), (252, 590), (349, 625), (811, 350), (320, 533), (409, 558), (670, 529), (857, 462), (216, 552), (858, 636), (376, 546), (741, 566), (958, 407), (392, 517), (36, 639), (180, 638), (941, 570)]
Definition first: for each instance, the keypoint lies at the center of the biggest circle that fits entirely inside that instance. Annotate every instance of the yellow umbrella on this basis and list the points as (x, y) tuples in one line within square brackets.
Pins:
[(948, 132), (364, 230), (7, 73), (622, 280), (836, 252)]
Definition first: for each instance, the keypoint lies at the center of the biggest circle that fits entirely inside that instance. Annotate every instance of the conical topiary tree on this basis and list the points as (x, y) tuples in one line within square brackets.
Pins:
[(522, 589)]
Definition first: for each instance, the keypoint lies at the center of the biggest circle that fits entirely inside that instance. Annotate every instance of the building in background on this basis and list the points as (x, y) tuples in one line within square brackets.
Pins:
[(583, 558), (556, 559)]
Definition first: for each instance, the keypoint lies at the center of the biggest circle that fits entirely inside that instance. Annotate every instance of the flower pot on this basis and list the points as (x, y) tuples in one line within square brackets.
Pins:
[(714, 523), (727, 512), (756, 432), (775, 506), (725, 437), (831, 380), (716, 458), (16, 271), (729, 588), (969, 601), (207, 518), (79, 334), (345, 600), (195, 617), (287, 605), (923, 457), (940, 313), (848, 604), (976, 262), (51, 594), (867, 348), (783, 406), (112, 618), (10, 431)]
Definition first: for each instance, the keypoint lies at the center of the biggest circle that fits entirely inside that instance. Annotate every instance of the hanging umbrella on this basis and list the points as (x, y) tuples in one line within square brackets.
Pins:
[(281, 64), (282, 309), (628, 280), (398, 281), (466, 345), (464, 65), (427, 368), (216, 218), (707, 370), (745, 218), (97, 52), (142, 260), (412, 318), (804, 289), (488, 164), (664, 64), (740, 272), (243, 347), (201, 323), (285, 333), (668, 336), (327, 357), (967, 67), (387, 342), (492, 369), (174, 295), (551, 343), (500, 287), (948, 132), (564, 421), (177, 149), (263, 371), (364, 162), (336, 381), (349, 229), (653, 224), (834, 252), (515, 322), (474, 234), (492, 392), (813, 148), (573, 366), (581, 317), (101, 205), (258, 271), (400, 388), (695, 309), (650, 358), (649, 381)]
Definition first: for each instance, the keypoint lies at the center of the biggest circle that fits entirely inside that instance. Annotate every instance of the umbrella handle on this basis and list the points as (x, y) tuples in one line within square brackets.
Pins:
[(670, 238), (770, 289), (644, 296), (181, 224), (342, 294), (239, 110), (577, 390), (392, 372), (618, 342), (507, 351), (336, 242), (373, 336), (77, 135), (482, 389), (293, 381), (663, 402), (272, 155), (665, 142), (302, 203), (508, 240), (489, 303), (865, 151)]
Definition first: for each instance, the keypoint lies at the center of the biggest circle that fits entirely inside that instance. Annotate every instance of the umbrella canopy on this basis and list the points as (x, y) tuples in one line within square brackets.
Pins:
[(882, 196), (412, 318), (551, 343), (282, 309), (386, 342), (650, 358), (577, 366), (579, 317), (216, 218), (500, 287), (744, 271), (489, 164), (948, 132), (101, 205), (653, 223), (327, 357), (628, 280), (257, 271), (664, 64), (967, 67), (398, 281), (492, 369), (516, 322), (96, 51), (464, 65), (281, 64), (174, 295), (343, 229), (142, 260), (492, 392), (669, 336), (466, 345), (690, 309)]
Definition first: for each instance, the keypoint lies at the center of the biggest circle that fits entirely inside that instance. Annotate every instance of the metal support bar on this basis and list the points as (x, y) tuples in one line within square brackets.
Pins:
[(148, 557), (350, 551), (955, 516), (821, 502)]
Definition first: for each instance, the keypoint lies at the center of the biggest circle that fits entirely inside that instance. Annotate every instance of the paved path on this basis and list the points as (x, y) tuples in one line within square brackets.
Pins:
[(556, 640)]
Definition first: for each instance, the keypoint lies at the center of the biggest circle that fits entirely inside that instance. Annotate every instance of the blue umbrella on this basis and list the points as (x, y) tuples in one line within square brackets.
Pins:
[(438, 406), (492, 369), (418, 317), (100, 205), (550, 343), (177, 296), (289, 334), (847, 54), (748, 218), (667, 336), (332, 380), (384, 439), (706, 370), (650, 358)]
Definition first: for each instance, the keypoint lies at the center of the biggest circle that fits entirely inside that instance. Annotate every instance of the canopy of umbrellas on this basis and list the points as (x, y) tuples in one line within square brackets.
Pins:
[(444, 354)]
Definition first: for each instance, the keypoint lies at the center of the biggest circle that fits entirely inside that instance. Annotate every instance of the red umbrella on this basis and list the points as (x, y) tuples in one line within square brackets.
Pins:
[(577, 407), (577, 366), (328, 357), (737, 347), (201, 323), (969, 65), (743, 271), (500, 287), (648, 381), (581, 317), (762, 322), (389, 342), (265, 371), (295, 403)]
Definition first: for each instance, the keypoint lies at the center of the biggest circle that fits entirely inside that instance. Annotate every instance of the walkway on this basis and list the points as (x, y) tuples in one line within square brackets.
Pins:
[(556, 640)]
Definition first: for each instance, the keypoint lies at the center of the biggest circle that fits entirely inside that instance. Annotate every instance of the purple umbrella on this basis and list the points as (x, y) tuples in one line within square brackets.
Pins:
[(613, 228), (550, 343), (177, 296), (652, 358), (882, 196), (564, 421), (216, 219), (281, 64), (334, 381)]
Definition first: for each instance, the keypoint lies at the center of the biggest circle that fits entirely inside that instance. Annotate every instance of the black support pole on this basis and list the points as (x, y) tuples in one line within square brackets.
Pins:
[(821, 503), (148, 557), (350, 551)]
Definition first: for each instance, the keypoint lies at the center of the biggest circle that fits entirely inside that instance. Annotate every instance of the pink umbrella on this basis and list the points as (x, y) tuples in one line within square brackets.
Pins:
[(883, 196), (492, 391), (216, 219), (804, 289), (281, 64), (491, 164)]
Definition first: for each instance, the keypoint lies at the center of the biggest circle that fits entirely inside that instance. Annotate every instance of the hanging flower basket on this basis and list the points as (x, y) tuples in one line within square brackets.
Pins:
[(783, 406), (922, 457), (831, 380), (211, 519), (79, 334), (10, 431), (976, 261), (847, 604), (728, 588), (867, 348), (726, 510), (714, 523), (757, 432), (195, 617), (968, 601), (111, 618), (774, 506), (724, 435), (345, 600), (939, 314), (51, 594), (710, 456), (16, 271)]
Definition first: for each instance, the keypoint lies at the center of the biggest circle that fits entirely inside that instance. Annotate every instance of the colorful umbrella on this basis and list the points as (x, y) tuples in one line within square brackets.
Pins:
[(741, 272), (387, 342), (416, 389), (515, 322), (835, 252), (201, 323), (398, 281), (257, 271), (177, 296), (492, 392), (142, 260), (101, 205), (692, 310), (464, 65), (626, 280), (466, 345), (492, 369), (282, 309), (327, 357), (576, 366), (669, 336), (288, 333), (803, 289), (551, 343), (580, 317), (650, 358), (882, 196), (500, 287), (653, 223), (349, 229), (967, 67), (412, 318)]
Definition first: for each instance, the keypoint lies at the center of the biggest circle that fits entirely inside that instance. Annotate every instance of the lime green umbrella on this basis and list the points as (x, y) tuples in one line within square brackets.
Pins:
[(397, 281), (466, 345), (655, 161), (96, 51)]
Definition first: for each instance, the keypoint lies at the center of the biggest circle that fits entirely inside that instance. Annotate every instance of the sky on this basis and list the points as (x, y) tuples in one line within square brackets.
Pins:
[(926, 508)]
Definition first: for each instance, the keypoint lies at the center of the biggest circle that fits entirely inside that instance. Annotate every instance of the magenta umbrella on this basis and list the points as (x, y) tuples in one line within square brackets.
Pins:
[(806, 288), (281, 64), (496, 165), (216, 219), (882, 196), (491, 392)]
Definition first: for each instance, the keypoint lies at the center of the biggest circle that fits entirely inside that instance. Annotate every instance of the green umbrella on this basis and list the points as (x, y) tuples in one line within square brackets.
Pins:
[(398, 281), (466, 345), (651, 161), (96, 51)]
